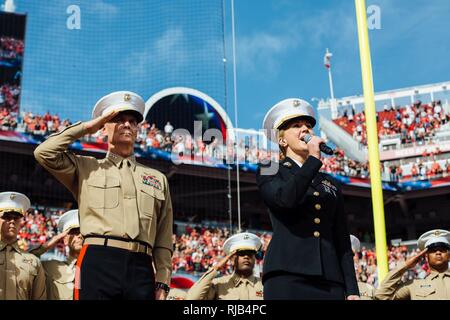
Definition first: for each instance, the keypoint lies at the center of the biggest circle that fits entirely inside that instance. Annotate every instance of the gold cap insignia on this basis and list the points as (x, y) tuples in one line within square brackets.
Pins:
[(246, 237), (296, 103), (126, 97), (437, 233), (12, 196)]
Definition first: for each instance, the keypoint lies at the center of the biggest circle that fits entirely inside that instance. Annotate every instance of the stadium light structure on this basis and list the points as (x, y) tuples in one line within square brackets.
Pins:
[(372, 140)]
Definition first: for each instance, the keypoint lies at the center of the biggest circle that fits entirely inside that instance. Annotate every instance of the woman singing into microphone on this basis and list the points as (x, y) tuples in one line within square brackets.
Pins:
[(310, 255)]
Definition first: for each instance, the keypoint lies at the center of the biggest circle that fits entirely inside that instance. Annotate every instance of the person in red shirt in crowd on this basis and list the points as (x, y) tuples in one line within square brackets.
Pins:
[(47, 117), (436, 168)]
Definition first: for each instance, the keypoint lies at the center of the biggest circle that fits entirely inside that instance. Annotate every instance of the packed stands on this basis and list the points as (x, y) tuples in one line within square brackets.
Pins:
[(413, 123), (11, 48), (432, 164)]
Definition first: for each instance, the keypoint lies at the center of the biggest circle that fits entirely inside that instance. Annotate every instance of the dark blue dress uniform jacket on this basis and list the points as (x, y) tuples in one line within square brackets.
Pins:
[(310, 234)]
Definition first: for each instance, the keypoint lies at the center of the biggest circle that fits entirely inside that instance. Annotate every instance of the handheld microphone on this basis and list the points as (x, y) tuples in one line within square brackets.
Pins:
[(323, 147)]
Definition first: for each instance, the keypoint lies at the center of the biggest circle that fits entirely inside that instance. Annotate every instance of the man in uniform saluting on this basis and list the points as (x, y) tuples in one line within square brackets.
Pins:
[(60, 275), (242, 284), (434, 245), (125, 208), (21, 274)]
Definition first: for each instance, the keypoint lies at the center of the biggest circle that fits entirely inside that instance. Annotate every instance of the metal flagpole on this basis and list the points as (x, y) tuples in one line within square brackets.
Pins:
[(328, 56), (372, 140), (229, 197), (236, 116), (327, 62)]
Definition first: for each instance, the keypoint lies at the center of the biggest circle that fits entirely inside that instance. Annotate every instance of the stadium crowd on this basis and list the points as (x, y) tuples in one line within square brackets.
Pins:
[(10, 48), (188, 149), (413, 123), (9, 100)]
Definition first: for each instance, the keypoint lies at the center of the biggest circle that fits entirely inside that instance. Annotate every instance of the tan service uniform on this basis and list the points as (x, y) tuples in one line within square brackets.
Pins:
[(435, 286), (60, 278), (230, 287), (97, 186), (176, 294), (21, 274), (366, 291)]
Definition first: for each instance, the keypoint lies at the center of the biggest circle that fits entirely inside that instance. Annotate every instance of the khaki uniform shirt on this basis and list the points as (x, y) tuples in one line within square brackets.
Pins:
[(98, 187), (231, 287), (366, 291), (21, 274), (60, 278), (176, 294), (436, 286)]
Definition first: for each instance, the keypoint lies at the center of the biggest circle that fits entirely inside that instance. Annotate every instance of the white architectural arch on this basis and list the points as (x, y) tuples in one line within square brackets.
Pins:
[(184, 90)]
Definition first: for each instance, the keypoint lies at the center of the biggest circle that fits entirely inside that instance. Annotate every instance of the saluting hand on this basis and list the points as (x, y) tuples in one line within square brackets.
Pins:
[(411, 262), (96, 124), (222, 262), (54, 241)]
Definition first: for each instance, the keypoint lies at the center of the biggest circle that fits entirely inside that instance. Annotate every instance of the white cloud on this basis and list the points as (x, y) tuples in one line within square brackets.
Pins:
[(106, 10), (163, 51), (260, 52)]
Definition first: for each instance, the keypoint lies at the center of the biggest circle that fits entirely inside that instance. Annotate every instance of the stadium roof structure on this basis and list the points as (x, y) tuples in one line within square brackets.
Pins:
[(182, 106)]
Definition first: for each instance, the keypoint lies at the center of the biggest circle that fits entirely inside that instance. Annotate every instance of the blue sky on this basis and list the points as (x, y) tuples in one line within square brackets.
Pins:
[(280, 48)]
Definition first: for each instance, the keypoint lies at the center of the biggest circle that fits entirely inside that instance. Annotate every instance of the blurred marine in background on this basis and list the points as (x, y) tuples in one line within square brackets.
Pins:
[(21, 274), (60, 275), (435, 246), (242, 284)]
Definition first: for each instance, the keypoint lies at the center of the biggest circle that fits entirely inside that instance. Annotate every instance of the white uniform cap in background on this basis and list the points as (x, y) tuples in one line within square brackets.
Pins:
[(14, 201), (68, 221), (433, 237), (242, 241), (356, 244)]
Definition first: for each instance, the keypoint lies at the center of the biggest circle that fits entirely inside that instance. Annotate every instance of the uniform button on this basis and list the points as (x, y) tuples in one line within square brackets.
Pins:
[(316, 220), (316, 193), (318, 206), (316, 234)]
